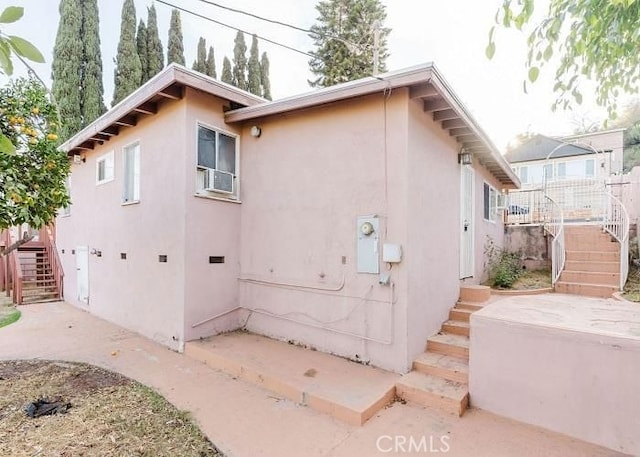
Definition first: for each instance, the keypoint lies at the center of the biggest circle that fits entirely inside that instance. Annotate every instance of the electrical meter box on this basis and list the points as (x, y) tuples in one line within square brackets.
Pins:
[(368, 244)]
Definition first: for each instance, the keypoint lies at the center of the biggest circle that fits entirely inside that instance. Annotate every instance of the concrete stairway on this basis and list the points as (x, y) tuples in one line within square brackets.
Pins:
[(440, 375), (592, 266)]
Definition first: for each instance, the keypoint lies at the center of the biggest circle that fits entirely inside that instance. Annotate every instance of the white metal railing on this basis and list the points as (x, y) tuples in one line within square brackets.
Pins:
[(525, 206), (554, 225), (616, 222)]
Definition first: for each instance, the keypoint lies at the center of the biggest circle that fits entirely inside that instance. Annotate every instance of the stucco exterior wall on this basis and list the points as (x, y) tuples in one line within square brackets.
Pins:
[(433, 227), (138, 293), (484, 229), (568, 365), (304, 183), (212, 229)]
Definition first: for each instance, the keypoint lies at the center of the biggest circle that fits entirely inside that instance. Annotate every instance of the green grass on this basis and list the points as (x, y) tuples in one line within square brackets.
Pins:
[(10, 318)]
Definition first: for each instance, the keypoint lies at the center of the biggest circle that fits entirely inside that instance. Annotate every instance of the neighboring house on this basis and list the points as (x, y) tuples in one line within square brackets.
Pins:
[(597, 155), (341, 218)]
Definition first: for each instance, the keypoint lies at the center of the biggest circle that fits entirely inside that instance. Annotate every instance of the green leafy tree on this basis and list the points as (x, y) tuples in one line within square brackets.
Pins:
[(11, 45), (227, 76), (253, 69), (210, 67), (265, 81), (175, 48), (200, 64), (92, 102), (142, 44), (32, 177), (240, 62), (128, 72), (593, 39), (155, 54), (77, 66), (66, 67), (345, 41)]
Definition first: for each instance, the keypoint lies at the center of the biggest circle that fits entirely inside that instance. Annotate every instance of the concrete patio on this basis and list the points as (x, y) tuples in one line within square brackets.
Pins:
[(244, 420)]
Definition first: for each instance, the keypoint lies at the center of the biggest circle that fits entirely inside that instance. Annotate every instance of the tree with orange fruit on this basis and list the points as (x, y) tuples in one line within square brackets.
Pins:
[(33, 170)]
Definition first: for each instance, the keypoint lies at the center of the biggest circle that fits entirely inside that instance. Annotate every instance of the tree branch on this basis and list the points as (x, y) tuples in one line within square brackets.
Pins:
[(16, 245)]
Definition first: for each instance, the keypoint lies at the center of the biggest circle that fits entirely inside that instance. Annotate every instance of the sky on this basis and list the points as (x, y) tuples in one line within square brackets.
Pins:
[(452, 34)]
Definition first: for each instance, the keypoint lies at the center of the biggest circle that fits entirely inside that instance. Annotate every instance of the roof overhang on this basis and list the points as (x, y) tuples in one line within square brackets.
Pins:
[(169, 84), (424, 83)]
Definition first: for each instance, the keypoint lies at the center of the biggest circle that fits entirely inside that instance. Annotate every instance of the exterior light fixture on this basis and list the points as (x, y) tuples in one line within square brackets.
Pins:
[(464, 157), (78, 159), (256, 131)]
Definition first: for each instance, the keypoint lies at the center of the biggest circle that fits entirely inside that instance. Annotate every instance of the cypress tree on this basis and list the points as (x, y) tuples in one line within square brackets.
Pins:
[(265, 82), (155, 56), (240, 62), (142, 43), (66, 66), (91, 74), (128, 71), (334, 61), (175, 46), (211, 64), (253, 69), (227, 76), (200, 64)]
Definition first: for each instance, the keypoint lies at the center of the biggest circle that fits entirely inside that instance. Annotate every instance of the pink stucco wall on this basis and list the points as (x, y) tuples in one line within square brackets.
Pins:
[(484, 229), (289, 241), (433, 226), (305, 182), (568, 364), (138, 293), (212, 229)]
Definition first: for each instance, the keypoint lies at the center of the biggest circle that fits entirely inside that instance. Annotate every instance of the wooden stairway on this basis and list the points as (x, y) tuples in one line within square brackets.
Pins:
[(592, 266), (440, 375), (38, 281)]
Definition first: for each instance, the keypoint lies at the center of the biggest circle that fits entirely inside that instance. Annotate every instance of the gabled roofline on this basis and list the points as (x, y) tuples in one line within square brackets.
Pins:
[(169, 83), (426, 83)]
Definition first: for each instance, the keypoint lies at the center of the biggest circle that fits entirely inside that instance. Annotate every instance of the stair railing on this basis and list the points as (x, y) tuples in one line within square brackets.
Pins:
[(554, 225), (47, 236), (17, 276), (615, 221)]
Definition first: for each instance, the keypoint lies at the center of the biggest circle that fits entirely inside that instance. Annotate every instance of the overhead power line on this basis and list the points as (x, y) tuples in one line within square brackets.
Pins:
[(193, 13), (284, 24)]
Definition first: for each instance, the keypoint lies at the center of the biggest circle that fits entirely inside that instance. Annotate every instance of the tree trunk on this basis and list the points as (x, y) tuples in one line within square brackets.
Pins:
[(16, 245)]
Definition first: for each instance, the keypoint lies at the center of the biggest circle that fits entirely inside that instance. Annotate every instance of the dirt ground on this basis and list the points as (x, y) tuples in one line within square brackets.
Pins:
[(533, 279), (110, 415)]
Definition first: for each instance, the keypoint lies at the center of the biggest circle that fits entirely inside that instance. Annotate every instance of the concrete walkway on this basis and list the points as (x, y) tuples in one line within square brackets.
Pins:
[(246, 421)]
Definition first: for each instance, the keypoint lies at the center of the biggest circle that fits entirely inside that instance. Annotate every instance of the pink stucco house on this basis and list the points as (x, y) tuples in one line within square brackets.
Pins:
[(345, 218)]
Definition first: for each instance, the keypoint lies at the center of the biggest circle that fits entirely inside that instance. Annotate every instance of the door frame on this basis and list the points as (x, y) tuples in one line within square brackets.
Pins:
[(463, 271), (82, 254)]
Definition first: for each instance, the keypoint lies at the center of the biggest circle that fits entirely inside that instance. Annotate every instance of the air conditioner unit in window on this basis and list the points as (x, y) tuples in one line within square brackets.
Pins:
[(218, 181)]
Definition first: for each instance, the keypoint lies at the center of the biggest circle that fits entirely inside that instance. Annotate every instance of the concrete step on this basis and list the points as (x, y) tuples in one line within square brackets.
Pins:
[(590, 277), (456, 327), (432, 391), (475, 293), (591, 255), (444, 366), (473, 306), (588, 245), (348, 391), (448, 344), (597, 266), (460, 314), (588, 290)]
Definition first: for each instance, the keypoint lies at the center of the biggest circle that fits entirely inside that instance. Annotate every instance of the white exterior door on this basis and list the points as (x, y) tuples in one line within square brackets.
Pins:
[(82, 273), (466, 221)]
